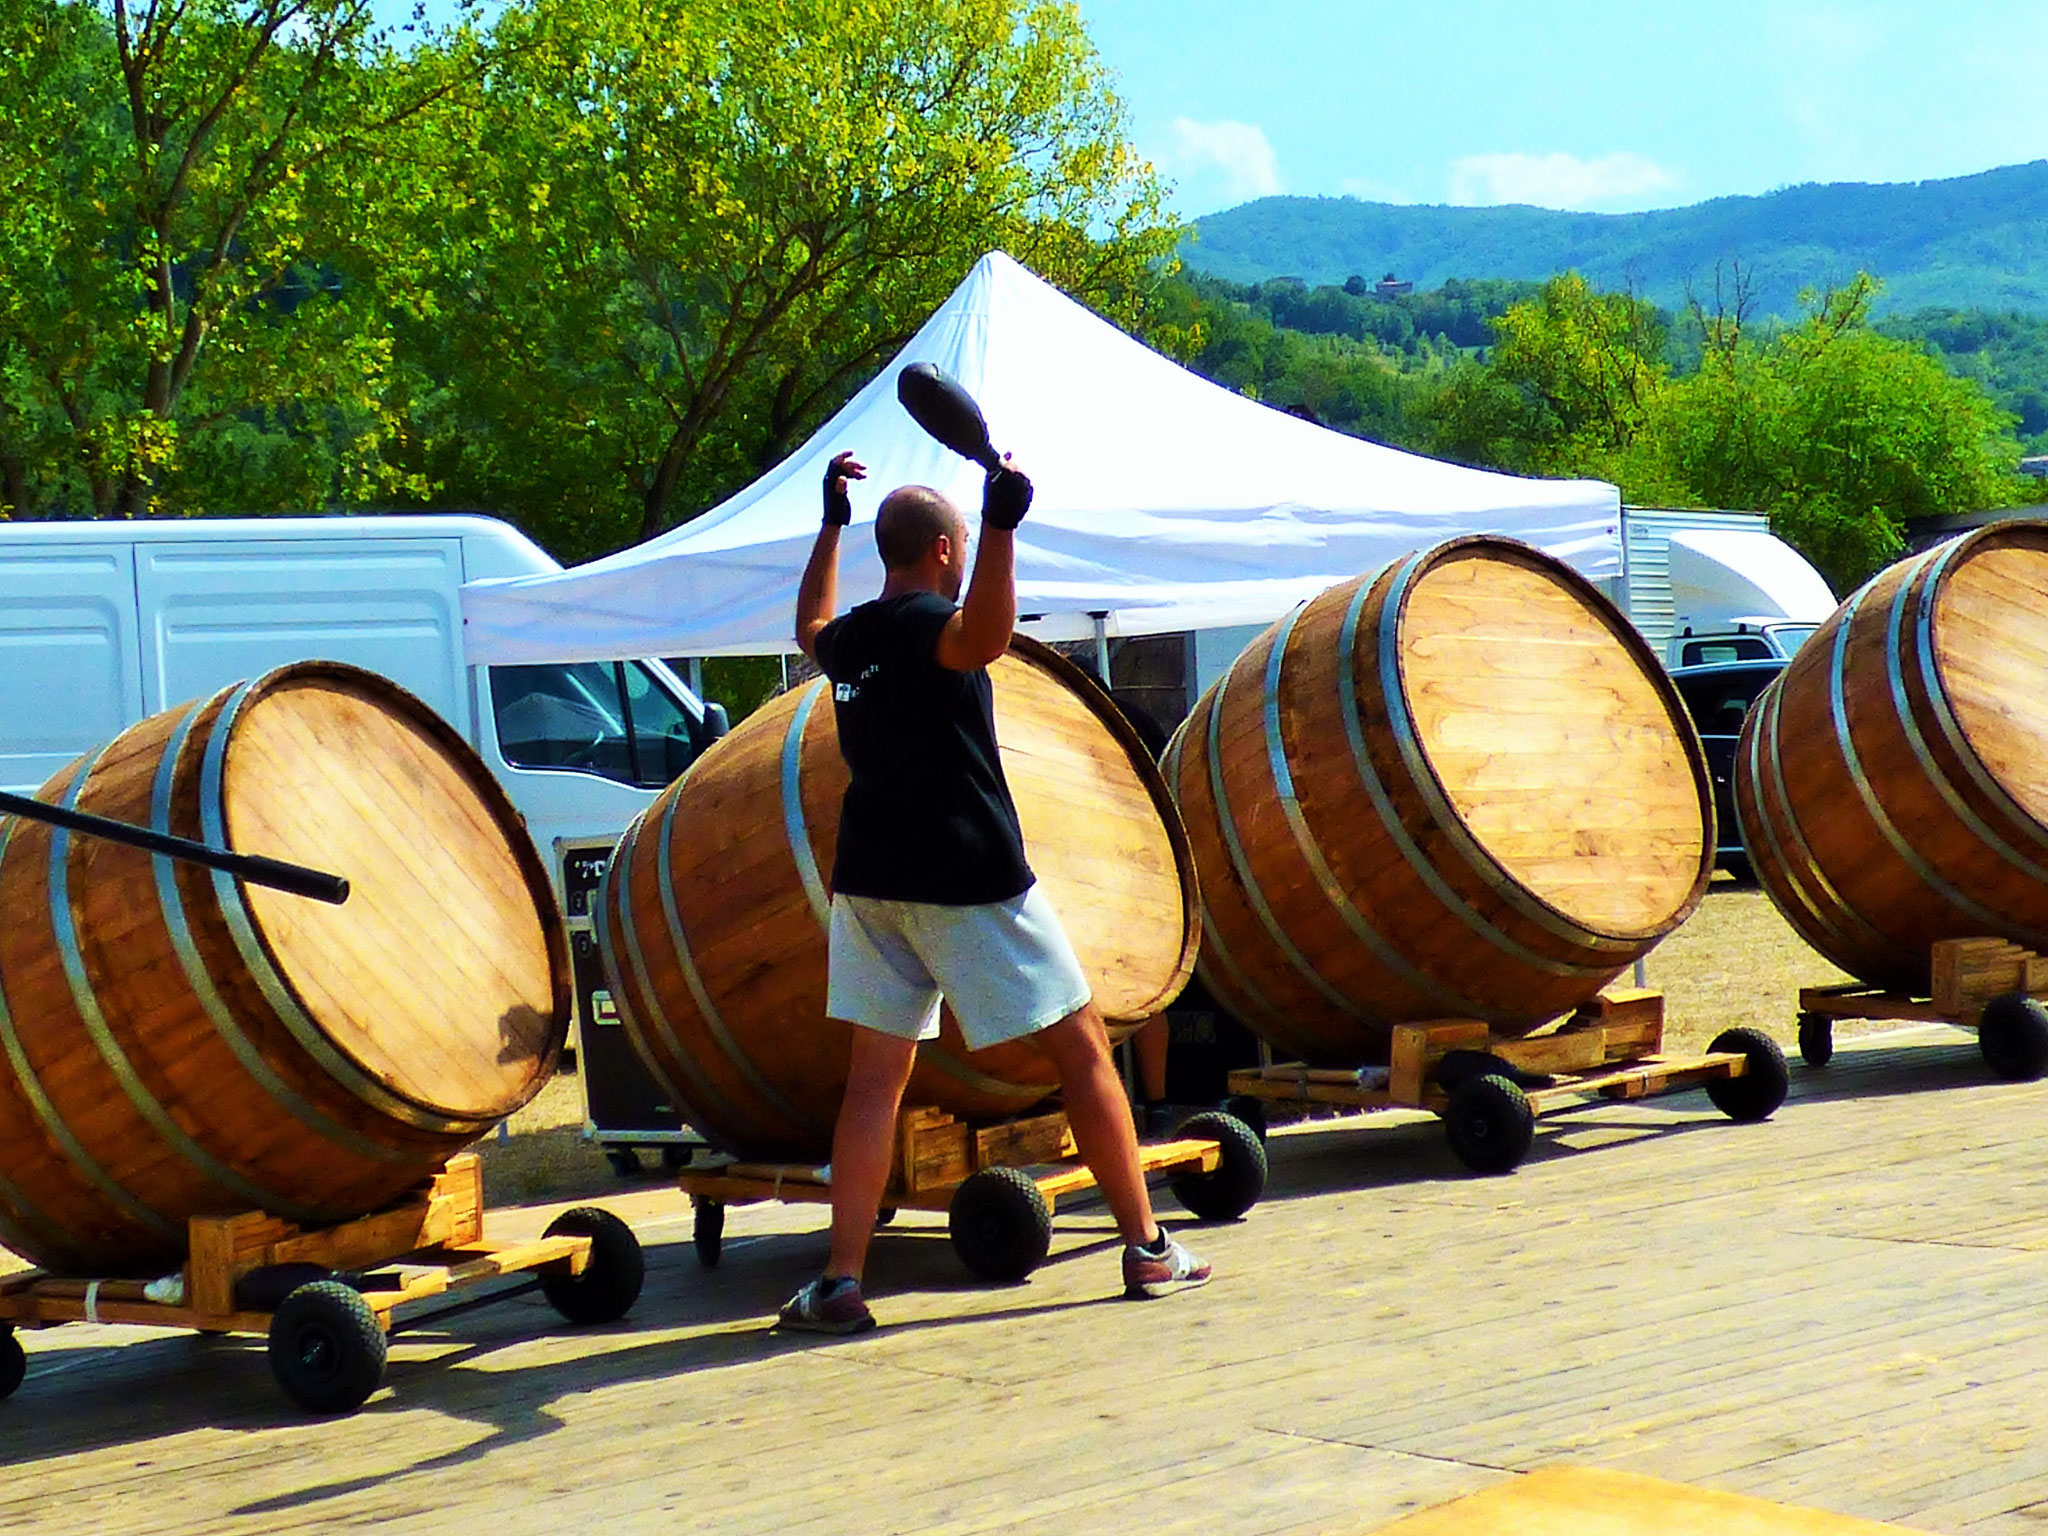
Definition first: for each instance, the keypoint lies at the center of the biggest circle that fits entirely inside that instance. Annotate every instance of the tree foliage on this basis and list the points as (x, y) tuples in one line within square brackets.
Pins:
[(1842, 434), (1570, 383), (166, 328), (686, 232), (594, 268)]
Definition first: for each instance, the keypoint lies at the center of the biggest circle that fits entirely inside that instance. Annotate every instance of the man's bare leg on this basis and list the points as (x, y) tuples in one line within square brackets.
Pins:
[(1101, 1118), (864, 1143)]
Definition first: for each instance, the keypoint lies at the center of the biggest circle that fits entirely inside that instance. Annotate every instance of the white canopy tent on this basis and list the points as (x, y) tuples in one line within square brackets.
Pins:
[(1164, 502)]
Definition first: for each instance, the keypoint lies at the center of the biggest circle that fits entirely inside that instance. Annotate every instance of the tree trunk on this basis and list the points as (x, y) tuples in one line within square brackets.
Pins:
[(13, 487)]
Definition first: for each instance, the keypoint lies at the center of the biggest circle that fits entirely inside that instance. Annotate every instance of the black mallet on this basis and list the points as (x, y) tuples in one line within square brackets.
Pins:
[(937, 403)]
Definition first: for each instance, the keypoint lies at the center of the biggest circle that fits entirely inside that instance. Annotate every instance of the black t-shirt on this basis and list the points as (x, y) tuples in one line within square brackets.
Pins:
[(928, 816)]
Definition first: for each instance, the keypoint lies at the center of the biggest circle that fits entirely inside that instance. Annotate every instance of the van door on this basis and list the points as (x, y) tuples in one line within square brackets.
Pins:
[(214, 612), (70, 681)]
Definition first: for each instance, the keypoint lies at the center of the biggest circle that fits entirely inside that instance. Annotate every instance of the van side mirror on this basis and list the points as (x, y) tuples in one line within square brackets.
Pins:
[(716, 721), (677, 753)]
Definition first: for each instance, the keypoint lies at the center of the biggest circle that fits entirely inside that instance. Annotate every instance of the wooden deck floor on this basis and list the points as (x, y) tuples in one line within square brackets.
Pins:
[(1846, 1307)]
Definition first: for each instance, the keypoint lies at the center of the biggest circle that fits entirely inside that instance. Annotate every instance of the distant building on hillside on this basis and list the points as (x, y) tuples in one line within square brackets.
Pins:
[(2036, 466), (1392, 287)]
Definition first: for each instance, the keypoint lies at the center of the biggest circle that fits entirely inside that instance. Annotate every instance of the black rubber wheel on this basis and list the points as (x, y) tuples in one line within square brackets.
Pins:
[(676, 1156), (1816, 1039), (1249, 1109), (2012, 1032), (610, 1282), (326, 1349), (625, 1162), (1756, 1094), (707, 1229), (884, 1215), (1238, 1180), (1000, 1223), (13, 1362), (1489, 1124)]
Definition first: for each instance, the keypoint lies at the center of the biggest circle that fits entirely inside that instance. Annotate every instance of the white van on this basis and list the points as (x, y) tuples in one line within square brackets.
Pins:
[(104, 623)]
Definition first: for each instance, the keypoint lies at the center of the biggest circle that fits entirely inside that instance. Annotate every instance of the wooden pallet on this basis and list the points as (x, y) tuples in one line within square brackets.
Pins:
[(1612, 1046), (432, 1240), (1966, 974), (936, 1154)]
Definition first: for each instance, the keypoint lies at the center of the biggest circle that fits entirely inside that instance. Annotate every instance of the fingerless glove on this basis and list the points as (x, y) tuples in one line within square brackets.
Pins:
[(1005, 498), (838, 505)]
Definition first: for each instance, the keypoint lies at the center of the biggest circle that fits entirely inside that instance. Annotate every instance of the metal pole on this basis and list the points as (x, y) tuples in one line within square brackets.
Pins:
[(697, 677), (252, 867), (1101, 646)]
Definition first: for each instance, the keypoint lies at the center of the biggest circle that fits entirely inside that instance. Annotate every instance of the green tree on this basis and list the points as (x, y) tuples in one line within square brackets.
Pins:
[(1572, 378), (681, 233), (167, 328), (1840, 433)]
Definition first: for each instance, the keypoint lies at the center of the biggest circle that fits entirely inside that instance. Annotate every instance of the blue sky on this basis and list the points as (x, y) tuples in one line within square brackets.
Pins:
[(1602, 104)]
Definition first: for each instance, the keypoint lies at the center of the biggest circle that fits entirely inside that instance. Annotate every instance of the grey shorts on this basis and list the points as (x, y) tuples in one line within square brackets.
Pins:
[(1006, 967)]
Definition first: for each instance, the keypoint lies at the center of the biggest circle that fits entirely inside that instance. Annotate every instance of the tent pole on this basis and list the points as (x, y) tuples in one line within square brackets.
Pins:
[(1101, 645)]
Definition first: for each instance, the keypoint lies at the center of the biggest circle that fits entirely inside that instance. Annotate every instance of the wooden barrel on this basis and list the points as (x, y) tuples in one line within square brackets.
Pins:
[(1459, 787), (1892, 783), (179, 1044), (714, 909)]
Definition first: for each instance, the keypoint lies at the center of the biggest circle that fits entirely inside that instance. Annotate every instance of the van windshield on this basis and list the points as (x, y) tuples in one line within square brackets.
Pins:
[(610, 718)]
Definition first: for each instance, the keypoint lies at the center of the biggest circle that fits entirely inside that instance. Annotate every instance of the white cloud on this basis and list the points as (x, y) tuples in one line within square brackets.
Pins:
[(1558, 180), (1222, 162)]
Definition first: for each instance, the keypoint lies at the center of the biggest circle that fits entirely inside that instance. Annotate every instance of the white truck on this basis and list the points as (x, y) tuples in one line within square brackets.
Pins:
[(1707, 587), (104, 623)]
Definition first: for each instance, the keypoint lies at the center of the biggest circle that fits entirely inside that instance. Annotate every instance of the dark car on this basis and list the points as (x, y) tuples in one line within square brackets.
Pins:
[(1719, 695)]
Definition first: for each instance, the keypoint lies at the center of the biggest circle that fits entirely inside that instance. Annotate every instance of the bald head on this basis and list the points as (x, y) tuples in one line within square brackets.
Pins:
[(910, 520)]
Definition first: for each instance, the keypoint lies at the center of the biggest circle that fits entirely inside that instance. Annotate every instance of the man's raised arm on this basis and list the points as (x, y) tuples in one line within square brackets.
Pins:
[(980, 631), (817, 595)]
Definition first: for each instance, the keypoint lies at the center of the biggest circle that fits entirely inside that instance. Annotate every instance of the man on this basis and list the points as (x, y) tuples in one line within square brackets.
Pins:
[(931, 894)]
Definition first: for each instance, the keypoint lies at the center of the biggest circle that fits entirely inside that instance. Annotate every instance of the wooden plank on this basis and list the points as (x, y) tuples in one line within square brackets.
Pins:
[(1587, 1501), (488, 1261), (936, 1155), (1291, 1090), (1019, 1143), (1193, 1155), (42, 1311), (1645, 1079), (1866, 1004), (1969, 972), (1620, 1006), (220, 1254), (1418, 1047)]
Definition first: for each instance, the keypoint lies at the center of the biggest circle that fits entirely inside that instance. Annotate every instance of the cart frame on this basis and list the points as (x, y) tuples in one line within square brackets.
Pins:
[(1966, 976), (1611, 1046), (436, 1232), (998, 1183)]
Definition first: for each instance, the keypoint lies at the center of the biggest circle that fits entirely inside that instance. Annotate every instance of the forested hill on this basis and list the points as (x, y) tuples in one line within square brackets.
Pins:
[(1972, 241)]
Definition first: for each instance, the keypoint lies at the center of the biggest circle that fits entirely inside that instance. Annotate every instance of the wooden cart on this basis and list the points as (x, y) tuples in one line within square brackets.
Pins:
[(327, 1298), (997, 1183), (1489, 1091), (1986, 985)]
